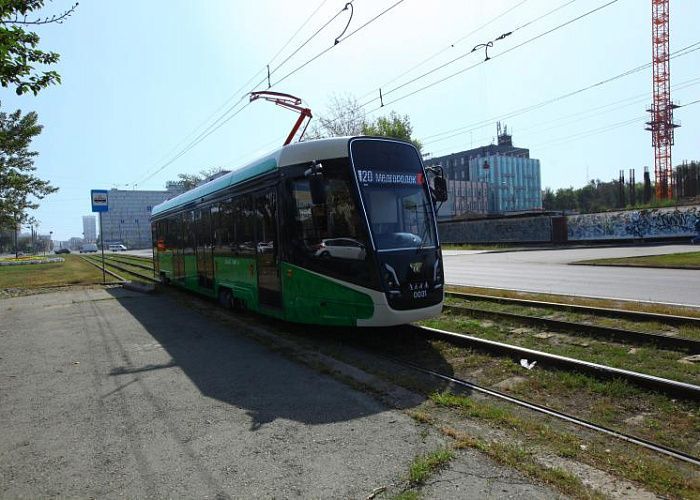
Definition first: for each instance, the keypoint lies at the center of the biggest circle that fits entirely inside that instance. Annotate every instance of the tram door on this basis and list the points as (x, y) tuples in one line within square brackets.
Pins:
[(267, 250), (204, 249)]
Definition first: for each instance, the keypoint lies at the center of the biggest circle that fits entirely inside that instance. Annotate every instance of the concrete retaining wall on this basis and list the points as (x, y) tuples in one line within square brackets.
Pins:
[(622, 225), (521, 230), (632, 224)]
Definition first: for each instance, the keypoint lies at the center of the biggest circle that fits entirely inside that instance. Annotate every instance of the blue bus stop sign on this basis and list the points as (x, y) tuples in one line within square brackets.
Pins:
[(100, 202)]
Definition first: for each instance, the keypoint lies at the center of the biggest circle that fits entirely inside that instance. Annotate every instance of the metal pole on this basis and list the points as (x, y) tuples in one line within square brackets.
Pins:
[(102, 244)]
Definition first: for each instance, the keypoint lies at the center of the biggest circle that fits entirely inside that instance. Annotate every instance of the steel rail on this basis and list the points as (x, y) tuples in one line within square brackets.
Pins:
[(126, 260), (689, 345), (599, 311), (659, 448), (97, 265), (130, 271), (677, 388)]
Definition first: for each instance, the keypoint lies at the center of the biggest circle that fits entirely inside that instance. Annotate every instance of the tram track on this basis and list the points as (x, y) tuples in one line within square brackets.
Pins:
[(407, 361), (618, 334), (543, 409), (675, 388), (108, 263), (129, 261), (99, 266), (669, 319)]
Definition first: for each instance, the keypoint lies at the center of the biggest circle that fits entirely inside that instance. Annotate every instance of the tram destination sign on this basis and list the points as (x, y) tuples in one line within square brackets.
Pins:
[(100, 200), (367, 177)]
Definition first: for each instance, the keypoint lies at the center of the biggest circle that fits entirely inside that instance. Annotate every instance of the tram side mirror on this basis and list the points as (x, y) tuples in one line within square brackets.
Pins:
[(440, 189), (317, 185)]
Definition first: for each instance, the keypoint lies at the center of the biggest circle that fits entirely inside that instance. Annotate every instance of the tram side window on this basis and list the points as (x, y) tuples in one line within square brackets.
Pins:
[(329, 238), (178, 229), (169, 232), (188, 231), (202, 227), (159, 234), (243, 241), (222, 224)]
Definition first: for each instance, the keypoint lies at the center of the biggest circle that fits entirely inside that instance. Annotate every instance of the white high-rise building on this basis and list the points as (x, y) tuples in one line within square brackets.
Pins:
[(89, 229)]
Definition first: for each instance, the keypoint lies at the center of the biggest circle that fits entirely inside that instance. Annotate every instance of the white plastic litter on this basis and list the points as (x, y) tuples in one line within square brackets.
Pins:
[(525, 364)]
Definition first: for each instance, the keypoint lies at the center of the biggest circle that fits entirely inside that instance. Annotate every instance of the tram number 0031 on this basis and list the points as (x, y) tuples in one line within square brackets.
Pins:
[(420, 294)]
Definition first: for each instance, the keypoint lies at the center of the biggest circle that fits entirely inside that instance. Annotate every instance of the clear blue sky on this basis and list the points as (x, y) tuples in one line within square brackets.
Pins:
[(140, 77)]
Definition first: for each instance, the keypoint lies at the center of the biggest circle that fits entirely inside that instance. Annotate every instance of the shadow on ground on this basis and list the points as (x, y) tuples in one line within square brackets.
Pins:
[(226, 365)]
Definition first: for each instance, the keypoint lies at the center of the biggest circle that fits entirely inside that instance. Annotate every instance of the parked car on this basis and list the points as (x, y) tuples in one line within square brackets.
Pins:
[(88, 248), (117, 248), (343, 248), (62, 250), (266, 246)]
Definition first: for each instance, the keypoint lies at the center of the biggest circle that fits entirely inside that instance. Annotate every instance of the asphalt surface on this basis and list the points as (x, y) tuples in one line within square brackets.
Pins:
[(549, 271), (109, 393)]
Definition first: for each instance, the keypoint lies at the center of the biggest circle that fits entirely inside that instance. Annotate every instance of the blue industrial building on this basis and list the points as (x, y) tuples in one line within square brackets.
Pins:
[(512, 177)]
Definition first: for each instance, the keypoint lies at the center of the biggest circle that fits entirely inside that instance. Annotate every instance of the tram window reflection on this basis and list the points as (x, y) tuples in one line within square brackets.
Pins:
[(329, 237)]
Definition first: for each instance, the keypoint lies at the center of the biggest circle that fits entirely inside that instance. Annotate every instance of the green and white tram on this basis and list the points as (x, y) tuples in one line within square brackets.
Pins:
[(336, 231)]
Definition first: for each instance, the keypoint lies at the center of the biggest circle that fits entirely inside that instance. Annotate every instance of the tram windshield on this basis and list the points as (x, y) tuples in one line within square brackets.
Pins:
[(395, 193)]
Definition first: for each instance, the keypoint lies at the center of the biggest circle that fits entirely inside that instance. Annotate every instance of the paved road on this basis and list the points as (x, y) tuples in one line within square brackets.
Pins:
[(114, 394), (549, 271)]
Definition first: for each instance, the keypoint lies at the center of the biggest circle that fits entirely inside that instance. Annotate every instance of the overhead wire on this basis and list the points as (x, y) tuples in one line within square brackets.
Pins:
[(323, 2), (463, 70), (468, 128), (338, 41), (221, 120), (578, 116), (589, 133), (451, 46), (532, 21), (222, 117)]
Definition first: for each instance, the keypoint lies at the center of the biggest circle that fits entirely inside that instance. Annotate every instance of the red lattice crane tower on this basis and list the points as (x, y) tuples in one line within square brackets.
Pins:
[(661, 124)]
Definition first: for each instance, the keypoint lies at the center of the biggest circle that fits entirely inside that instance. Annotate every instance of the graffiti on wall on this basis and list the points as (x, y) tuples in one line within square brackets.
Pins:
[(526, 229), (632, 224)]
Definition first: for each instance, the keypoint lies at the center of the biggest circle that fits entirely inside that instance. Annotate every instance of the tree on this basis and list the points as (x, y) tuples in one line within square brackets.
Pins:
[(346, 117), (18, 184), (190, 181), (343, 117), (396, 126), (548, 199), (18, 47)]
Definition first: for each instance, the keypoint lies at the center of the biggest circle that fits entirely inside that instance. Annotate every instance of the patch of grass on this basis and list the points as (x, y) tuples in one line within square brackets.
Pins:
[(660, 477), (584, 301), (565, 445), (685, 260), (464, 305), (424, 466), (421, 416), (650, 360), (471, 408), (73, 271), (407, 495), (520, 459)]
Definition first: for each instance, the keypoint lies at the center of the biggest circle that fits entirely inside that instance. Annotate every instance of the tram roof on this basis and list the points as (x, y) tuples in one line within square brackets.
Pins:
[(292, 154)]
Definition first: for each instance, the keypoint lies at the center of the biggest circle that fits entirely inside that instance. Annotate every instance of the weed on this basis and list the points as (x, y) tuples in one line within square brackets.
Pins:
[(407, 495), (424, 466)]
